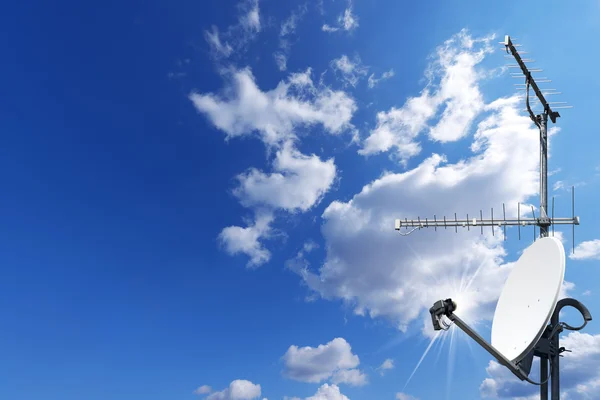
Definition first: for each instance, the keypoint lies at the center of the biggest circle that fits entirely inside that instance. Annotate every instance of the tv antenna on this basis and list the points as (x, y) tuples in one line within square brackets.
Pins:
[(520, 328), (544, 221), (526, 322)]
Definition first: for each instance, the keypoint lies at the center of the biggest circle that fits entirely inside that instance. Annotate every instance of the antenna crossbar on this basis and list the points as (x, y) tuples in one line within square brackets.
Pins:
[(477, 222)]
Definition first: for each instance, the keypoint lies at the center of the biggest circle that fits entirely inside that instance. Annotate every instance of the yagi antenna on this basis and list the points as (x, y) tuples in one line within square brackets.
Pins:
[(546, 110)]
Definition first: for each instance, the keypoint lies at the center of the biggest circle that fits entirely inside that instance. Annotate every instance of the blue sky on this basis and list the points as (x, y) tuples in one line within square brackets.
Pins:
[(183, 212)]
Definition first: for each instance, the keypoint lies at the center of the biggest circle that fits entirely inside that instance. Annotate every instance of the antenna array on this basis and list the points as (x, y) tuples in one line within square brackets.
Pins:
[(542, 221), (547, 348)]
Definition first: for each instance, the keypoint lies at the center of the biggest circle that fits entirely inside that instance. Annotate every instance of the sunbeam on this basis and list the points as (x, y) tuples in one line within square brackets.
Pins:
[(451, 358), (422, 357)]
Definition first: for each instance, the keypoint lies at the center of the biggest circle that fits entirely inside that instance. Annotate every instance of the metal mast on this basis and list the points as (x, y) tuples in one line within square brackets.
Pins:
[(544, 221), (548, 349)]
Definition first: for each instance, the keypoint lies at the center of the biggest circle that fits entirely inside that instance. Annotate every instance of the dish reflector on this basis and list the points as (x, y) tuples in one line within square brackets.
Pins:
[(528, 298)]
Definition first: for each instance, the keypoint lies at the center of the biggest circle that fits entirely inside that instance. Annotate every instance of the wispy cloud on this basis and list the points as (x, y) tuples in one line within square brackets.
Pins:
[(375, 81), (288, 28), (237, 36), (347, 21), (351, 71)]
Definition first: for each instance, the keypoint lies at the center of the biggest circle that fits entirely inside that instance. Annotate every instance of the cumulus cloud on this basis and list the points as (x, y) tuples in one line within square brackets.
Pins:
[(351, 71), (375, 81), (347, 21), (453, 87), (204, 389), (244, 108), (589, 250), (238, 390), (298, 183), (352, 377), (325, 392), (580, 373), (404, 396), (316, 364), (386, 365), (240, 240), (381, 274)]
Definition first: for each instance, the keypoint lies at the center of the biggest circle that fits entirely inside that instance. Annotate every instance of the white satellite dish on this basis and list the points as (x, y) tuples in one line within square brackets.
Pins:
[(529, 298)]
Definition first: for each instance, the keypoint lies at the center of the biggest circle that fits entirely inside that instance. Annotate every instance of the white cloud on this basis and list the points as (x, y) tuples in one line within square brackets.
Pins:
[(580, 373), (204, 389), (351, 71), (386, 365), (250, 20), (398, 128), (316, 364), (328, 392), (244, 108), (589, 250), (239, 240), (219, 48), (457, 93), (375, 81), (238, 390), (404, 396), (347, 21), (237, 36), (281, 60), (562, 185), (352, 377), (586, 293), (383, 274), (298, 183), (289, 25), (558, 185)]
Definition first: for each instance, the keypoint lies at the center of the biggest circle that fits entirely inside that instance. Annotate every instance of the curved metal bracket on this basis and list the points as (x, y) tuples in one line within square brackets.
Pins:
[(585, 313)]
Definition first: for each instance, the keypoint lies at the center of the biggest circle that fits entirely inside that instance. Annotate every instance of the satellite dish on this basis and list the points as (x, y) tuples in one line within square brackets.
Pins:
[(529, 298)]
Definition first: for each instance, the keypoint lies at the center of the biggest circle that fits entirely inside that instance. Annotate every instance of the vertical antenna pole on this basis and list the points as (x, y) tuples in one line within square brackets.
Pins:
[(493, 222), (543, 375), (543, 118)]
